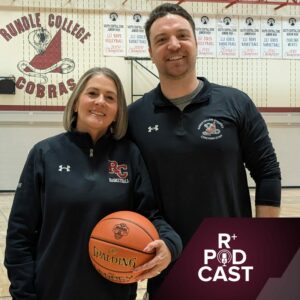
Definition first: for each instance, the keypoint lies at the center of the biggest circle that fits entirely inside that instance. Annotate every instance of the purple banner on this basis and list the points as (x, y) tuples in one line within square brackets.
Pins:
[(236, 258)]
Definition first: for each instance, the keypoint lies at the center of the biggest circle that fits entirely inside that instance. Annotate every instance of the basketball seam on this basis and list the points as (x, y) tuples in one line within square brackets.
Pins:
[(115, 244), (130, 221)]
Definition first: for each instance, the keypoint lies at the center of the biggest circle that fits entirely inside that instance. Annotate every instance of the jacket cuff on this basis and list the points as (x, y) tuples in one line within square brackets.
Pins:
[(268, 192)]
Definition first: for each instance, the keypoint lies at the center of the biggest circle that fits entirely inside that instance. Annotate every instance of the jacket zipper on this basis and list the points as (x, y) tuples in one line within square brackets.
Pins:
[(91, 152)]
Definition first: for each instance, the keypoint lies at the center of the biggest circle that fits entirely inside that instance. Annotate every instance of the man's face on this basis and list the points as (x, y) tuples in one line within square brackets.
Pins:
[(173, 47)]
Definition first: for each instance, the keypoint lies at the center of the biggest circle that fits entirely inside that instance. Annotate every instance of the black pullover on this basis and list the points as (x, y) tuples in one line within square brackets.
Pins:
[(68, 184)]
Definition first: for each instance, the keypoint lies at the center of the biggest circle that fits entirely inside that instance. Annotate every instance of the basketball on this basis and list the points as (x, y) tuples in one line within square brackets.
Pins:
[(116, 245)]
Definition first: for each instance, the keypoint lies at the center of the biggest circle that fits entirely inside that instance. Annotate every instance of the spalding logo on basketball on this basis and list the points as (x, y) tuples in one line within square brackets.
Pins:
[(117, 242)]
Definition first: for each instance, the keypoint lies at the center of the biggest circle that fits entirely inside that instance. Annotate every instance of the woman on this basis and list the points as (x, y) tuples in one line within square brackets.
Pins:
[(71, 181)]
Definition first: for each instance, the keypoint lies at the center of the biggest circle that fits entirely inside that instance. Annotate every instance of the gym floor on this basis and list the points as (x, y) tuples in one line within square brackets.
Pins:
[(290, 208)]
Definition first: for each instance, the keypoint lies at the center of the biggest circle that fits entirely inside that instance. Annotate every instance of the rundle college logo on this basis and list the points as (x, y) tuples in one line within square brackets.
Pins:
[(119, 172), (43, 52), (226, 263)]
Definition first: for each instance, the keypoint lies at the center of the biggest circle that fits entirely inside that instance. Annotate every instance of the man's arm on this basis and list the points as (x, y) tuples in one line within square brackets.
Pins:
[(264, 211)]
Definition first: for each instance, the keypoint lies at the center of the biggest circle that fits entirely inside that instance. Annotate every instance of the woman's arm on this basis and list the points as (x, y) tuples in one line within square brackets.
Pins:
[(23, 231)]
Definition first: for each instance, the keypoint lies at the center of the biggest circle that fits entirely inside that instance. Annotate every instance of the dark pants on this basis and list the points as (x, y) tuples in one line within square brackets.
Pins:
[(155, 283), (133, 292)]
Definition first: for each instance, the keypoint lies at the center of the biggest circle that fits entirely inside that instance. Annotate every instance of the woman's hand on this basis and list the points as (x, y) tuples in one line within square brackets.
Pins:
[(161, 260)]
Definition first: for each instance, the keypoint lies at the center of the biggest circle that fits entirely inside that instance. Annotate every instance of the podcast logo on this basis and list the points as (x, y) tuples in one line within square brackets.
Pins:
[(226, 263)]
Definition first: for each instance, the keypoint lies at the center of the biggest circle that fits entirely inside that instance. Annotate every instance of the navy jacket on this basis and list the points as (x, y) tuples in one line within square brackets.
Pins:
[(68, 184), (197, 157)]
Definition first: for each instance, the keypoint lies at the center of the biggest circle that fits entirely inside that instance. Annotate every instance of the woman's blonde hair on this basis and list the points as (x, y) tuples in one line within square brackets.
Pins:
[(119, 127)]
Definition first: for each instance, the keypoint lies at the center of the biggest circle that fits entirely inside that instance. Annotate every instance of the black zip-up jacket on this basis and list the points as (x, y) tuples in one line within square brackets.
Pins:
[(196, 157), (68, 184)]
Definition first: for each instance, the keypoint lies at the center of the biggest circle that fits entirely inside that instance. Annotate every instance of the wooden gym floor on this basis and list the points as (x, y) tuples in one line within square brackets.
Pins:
[(290, 208)]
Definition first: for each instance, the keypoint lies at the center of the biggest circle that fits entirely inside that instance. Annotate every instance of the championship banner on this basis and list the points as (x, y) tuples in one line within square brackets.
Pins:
[(206, 36), (227, 37), (114, 34), (249, 37), (137, 44), (271, 38), (291, 38), (238, 258)]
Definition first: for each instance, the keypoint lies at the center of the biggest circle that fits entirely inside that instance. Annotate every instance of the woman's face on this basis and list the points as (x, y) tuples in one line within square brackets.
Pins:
[(97, 106)]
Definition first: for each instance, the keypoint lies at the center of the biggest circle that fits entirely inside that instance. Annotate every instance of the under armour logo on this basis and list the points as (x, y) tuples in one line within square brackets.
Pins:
[(155, 127), (67, 168)]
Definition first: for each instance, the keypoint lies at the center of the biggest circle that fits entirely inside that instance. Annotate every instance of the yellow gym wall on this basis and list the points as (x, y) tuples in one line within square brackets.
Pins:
[(35, 111), (269, 82)]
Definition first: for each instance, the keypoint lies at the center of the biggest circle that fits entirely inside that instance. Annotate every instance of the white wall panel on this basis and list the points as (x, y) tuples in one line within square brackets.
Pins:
[(269, 82), (17, 138)]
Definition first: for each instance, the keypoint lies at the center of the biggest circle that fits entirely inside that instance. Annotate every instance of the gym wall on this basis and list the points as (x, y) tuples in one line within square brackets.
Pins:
[(46, 45)]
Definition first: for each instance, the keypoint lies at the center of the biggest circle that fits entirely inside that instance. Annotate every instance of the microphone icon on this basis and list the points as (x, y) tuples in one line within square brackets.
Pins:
[(224, 257)]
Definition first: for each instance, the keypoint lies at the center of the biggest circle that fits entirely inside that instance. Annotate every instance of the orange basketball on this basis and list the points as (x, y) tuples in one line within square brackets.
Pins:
[(117, 242)]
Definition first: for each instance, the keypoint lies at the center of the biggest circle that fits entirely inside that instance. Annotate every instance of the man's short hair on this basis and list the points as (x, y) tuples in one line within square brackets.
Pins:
[(163, 10)]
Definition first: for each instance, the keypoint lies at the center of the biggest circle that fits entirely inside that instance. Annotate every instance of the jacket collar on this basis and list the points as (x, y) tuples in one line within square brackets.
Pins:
[(204, 95), (84, 140)]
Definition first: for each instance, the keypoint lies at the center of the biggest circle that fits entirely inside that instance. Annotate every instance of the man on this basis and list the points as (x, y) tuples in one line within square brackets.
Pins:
[(196, 136)]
